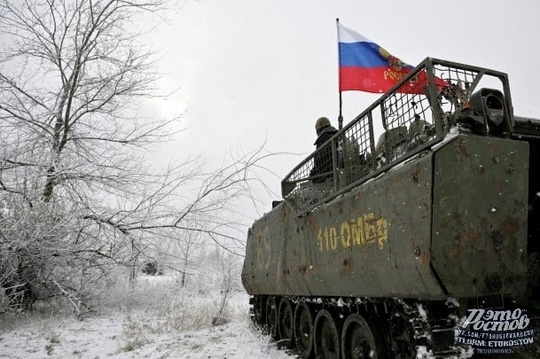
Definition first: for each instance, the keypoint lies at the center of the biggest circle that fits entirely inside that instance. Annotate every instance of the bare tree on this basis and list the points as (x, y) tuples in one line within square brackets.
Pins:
[(181, 253), (69, 73), (224, 275), (73, 145), (188, 247)]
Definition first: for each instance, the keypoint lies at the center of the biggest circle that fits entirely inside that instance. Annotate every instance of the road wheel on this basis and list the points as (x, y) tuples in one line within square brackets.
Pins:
[(303, 330), (286, 323), (327, 343), (360, 341)]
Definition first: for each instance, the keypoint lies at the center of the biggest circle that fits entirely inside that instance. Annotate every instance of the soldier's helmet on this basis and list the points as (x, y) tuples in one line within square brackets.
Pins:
[(321, 123)]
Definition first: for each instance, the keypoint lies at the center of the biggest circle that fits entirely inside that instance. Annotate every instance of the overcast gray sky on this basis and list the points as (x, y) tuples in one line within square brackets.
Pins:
[(253, 69)]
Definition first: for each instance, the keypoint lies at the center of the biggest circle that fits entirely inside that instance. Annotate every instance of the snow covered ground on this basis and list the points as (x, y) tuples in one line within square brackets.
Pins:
[(156, 320)]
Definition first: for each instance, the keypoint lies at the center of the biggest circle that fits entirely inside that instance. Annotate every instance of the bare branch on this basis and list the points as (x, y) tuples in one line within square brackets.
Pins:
[(75, 148)]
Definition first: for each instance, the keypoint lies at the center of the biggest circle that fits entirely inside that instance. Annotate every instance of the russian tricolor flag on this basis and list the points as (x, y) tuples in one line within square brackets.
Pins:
[(365, 66)]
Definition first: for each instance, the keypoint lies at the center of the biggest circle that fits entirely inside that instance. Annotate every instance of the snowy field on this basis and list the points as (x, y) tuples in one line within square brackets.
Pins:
[(155, 320)]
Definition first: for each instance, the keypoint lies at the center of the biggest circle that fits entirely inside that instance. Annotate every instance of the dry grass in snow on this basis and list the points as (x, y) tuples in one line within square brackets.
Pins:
[(156, 319)]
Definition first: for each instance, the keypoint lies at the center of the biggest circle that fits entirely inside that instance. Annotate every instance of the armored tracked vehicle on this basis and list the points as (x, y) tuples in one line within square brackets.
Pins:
[(432, 220)]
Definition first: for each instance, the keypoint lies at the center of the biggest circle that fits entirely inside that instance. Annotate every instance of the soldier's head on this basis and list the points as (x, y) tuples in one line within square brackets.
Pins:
[(321, 124)]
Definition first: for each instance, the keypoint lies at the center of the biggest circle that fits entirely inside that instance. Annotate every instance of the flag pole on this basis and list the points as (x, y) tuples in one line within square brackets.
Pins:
[(340, 116)]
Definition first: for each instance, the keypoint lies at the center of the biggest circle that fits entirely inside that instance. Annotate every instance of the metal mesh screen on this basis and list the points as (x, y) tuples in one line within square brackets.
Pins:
[(417, 113)]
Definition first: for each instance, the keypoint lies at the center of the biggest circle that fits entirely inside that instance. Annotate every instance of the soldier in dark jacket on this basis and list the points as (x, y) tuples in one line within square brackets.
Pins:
[(322, 162)]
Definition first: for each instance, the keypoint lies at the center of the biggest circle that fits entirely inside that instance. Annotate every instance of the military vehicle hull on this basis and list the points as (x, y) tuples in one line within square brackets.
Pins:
[(424, 230)]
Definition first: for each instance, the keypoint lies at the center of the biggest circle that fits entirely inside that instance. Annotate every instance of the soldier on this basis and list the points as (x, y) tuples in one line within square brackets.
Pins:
[(322, 162)]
